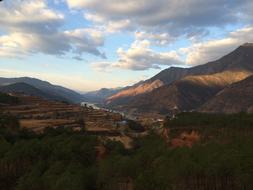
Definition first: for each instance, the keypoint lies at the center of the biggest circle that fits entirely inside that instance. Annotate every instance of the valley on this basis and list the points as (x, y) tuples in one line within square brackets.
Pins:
[(38, 114), (201, 88), (184, 129), (126, 95)]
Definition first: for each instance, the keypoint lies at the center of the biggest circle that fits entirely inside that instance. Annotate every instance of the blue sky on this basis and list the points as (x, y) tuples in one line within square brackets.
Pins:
[(86, 45)]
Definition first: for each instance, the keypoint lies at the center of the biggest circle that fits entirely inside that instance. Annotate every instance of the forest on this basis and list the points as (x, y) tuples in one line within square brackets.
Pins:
[(62, 159), (7, 99)]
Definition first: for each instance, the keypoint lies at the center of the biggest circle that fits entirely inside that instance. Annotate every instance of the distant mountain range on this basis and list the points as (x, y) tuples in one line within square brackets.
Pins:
[(27, 89), (185, 88), (100, 95), (39, 88), (224, 85)]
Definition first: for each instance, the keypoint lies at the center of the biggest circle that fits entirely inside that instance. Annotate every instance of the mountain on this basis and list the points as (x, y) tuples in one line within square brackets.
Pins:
[(100, 95), (237, 97), (186, 94), (240, 60), (125, 95), (27, 89), (52, 90)]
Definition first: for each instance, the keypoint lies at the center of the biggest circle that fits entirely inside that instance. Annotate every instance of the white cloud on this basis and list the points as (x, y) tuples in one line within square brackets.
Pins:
[(30, 26), (94, 18), (29, 16), (115, 26), (85, 40), (201, 53), (58, 43), (176, 17), (156, 38), (140, 57), (108, 26)]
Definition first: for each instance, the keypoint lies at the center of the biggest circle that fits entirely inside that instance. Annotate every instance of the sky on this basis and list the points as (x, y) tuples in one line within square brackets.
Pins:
[(90, 44)]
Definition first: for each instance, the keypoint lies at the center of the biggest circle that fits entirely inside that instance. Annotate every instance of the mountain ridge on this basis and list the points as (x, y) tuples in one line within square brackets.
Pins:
[(46, 87), (27, 89), (167, 76), (238, 61), (186, 94)]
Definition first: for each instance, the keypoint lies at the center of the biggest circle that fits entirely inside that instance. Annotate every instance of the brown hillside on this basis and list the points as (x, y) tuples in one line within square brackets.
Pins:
[(235, 98), (186, 94), (238, 60)]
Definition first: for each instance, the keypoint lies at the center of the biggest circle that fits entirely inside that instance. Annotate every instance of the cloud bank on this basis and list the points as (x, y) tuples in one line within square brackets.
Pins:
[(163, 22), (201, 53), (35, 26), (176, 17), (140, 57), (30, 27)]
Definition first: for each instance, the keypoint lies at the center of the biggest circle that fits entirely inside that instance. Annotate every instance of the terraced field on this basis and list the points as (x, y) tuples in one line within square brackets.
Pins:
[(37, 114)]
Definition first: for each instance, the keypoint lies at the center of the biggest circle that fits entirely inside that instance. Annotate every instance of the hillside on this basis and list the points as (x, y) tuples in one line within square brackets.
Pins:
[(47, 88), (27, 89), (185, 94), (125, 95), (36, 113), (235, 98), (238, 60)]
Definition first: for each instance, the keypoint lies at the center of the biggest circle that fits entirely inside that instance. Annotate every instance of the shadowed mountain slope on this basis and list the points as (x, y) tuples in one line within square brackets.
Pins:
[(238, 60), (185, 94), (237, 97)]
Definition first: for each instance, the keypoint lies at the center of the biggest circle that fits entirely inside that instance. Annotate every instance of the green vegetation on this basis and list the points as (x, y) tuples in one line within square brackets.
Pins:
[(154, 165), (58, 159), (213, 127), (212, 120), (7, 99), (63, 159)]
